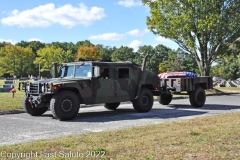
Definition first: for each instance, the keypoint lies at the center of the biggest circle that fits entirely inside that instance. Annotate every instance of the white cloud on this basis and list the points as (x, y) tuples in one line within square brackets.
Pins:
[(108, 36), (35, 39), (8, 40), (137, 32), (48, 14), (129, 3), (162, 39), (135, 44)]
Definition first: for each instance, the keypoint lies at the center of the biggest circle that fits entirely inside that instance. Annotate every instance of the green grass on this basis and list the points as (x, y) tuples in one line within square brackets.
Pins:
[(9, 103), (214, 137)]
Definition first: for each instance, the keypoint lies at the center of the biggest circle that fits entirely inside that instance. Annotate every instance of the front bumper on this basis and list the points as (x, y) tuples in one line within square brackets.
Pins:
[(39, 94)]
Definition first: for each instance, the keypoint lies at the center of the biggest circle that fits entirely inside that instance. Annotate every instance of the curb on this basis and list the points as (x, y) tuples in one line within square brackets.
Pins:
[(85, 106), (12, 112)]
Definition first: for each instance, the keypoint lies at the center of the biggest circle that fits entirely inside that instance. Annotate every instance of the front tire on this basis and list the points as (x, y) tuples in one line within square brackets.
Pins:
[(32, 111), (144, 102), (65, 105), (197, 97), (165, 99), (112, 106)]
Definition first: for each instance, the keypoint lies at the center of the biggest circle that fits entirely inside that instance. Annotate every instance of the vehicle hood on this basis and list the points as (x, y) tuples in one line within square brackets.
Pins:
[(60, 80)]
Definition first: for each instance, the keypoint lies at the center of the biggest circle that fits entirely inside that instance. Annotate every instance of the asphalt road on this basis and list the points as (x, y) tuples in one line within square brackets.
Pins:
[(18, 128)]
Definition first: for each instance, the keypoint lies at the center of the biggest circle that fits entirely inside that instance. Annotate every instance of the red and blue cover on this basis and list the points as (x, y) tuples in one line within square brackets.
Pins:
[(182, 74)]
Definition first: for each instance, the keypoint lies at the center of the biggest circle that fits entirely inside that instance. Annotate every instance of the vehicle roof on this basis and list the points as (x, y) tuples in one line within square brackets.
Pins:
[(102, 63)]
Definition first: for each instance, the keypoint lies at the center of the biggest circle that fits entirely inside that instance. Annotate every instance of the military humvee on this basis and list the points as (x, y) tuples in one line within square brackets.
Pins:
[(81, 83)]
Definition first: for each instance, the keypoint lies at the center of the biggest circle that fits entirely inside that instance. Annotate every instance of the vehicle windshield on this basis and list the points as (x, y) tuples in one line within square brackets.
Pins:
[(66, 71), (82, 70)]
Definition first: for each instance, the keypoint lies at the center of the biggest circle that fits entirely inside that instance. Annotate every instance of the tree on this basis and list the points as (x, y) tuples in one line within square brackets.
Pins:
[(156, 56), (65, 46), (123, 53), (228, 66), (106, 52), (82, 43), (88, 52), (35, 46), (50, 54), (178, 61), (204, 29), (16, 60), (3, 44)]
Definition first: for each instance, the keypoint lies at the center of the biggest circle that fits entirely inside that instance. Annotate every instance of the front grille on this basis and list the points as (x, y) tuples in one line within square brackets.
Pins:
[(34, 88)]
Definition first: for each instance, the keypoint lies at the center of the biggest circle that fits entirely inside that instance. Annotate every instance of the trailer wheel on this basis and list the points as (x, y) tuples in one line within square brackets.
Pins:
[(165, 99), (197, 97), (32, 111), (65, 105), (112, 106), (144, 102)]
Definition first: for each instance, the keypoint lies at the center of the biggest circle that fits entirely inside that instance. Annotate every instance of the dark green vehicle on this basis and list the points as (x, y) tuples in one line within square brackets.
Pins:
[(94, 82), (81, 82)]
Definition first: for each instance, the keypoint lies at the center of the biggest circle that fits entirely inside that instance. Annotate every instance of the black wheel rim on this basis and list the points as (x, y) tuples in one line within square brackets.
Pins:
[(67, 105), (144, 100)]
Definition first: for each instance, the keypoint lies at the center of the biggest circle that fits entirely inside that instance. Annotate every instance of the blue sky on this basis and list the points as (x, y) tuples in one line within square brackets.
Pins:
[(108, 22)]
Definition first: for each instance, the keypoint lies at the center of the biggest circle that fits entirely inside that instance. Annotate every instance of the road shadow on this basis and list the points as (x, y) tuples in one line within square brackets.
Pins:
[(206, 107), (130, 114), (124, 113)]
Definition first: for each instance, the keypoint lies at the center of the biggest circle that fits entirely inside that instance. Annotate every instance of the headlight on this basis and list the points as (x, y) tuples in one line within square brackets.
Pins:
[(28, 88), (42, 88)]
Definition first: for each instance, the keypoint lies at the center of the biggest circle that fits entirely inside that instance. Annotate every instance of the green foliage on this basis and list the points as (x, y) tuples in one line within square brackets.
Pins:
[(178, 61), (161, 58), (228, 65), (123, 54), (204, 29), (3, 44), (50, 54), (230, 70), (106, 52), (65, 46), (15, 60), (157, 56)]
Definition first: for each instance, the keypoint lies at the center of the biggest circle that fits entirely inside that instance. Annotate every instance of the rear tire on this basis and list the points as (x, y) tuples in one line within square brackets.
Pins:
[(65, 105), (165, 99), (144, 102), (197, 97), (32, 111), (112, 106)]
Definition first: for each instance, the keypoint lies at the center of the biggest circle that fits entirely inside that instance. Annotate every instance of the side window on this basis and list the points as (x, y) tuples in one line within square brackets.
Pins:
[(104, 73), (123, 72)]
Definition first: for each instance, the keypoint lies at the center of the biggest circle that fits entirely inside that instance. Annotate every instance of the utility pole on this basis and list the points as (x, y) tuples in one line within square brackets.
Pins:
[(39, 70)]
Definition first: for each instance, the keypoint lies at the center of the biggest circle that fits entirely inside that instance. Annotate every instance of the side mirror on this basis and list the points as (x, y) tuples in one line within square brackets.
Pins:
[(96, 71), (54, 71)]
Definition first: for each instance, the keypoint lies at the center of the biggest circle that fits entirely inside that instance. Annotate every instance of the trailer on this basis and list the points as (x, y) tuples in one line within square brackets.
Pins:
[(194, 86)]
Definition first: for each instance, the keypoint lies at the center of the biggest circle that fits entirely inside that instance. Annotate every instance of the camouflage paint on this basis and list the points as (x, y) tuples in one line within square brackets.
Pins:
[(92, 90)]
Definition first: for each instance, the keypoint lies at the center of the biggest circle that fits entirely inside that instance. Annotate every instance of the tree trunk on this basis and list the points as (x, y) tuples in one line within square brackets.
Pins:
[(204, 68), (204, 63)]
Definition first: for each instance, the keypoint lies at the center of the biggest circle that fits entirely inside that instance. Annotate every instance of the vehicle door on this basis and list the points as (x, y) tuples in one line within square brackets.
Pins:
[(103, 88), (125, 84)]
